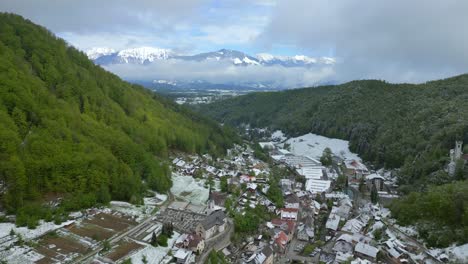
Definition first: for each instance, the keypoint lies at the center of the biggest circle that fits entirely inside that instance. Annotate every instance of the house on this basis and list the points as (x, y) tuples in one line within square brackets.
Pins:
[(289, 213), (305, 233), (377, 180), (353, 226), (287, 226), (265, 256), (333, 222), (354, 169), (344, 244), (192, 242), (281, 241), (366, 251), (183, 256), (251, 187), (211, 225), (317, 186), (315, 172)]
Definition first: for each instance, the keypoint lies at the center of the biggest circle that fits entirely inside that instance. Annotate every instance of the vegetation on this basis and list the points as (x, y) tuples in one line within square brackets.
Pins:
[(216, 257), (327, 158), (440, 214), (390, 125), (69, 129)]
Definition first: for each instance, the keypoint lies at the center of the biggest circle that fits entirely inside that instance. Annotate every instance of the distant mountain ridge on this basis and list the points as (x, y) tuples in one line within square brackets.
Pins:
[(146, 55), (263, 63)]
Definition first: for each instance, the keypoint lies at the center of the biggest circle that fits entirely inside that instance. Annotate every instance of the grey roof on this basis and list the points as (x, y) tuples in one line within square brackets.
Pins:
[(216, 218)]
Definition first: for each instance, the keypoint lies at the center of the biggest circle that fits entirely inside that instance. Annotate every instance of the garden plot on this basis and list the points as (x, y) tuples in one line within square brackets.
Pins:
[(123, 249), (59, 249), (313, 145), (189, 189)]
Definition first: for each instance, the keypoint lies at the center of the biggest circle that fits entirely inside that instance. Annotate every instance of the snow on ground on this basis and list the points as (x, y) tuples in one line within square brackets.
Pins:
[(154, 254), (26, 233), (460, 252), (278, 135), (20, 255), (189, 189), (313, 145), (139, 212)]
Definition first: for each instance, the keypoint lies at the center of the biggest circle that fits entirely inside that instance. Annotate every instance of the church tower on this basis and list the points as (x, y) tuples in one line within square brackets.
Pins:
[(210, 202)]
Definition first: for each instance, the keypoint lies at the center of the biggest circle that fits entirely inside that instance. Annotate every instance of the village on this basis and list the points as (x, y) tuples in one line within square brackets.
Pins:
[(265, 203)]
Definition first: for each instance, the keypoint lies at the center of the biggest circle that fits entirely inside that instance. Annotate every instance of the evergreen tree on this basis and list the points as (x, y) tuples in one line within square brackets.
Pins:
[(374, 194), (154, 240)]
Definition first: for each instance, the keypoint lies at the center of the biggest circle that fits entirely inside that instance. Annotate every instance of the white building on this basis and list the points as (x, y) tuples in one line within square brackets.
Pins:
[(317, 186)]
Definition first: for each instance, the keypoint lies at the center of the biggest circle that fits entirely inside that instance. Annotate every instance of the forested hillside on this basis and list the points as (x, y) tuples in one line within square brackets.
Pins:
[(391, 125), (70, 129)]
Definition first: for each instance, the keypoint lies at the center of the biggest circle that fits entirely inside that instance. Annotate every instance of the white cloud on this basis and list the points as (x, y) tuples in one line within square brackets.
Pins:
[(396, 40), (225, 72)]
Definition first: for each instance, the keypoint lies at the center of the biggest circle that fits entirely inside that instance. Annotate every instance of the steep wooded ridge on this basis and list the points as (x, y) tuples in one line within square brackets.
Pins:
[(391, 125), (68, 128)]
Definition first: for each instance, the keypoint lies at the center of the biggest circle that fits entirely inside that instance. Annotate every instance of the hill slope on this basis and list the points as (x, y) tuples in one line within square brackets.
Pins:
[(392, 125), (70, 129)]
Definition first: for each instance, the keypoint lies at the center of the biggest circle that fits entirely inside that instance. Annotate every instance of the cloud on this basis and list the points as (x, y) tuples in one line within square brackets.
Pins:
[(224, 72), (396, 40), (188, 24)]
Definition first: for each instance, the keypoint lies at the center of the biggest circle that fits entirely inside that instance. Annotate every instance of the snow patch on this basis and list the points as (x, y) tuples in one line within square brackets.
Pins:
[(313, 145)]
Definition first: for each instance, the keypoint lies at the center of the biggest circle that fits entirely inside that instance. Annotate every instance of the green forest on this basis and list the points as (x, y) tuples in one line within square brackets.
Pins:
[(71, 130)]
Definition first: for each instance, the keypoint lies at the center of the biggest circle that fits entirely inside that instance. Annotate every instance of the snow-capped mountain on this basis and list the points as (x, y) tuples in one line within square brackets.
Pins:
[(142, 55), (97, 52), (145, 55), (202, 70), (236, 57), (291, 61)]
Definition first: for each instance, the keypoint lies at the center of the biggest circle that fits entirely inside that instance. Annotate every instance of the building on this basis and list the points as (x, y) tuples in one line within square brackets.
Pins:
[(281, 241), (289, 213), (211, 225), (317, 186), (377, 180), (366, 251), (354, 169), (183, 256), (344, 244), (192, 242), (265, 256), (333, 222)]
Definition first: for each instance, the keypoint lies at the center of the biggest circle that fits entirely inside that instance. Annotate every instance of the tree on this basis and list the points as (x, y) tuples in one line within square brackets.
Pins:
[(374, 194), (106, 246), (154, 240), (460, 170), (224, 184), (327, 158)]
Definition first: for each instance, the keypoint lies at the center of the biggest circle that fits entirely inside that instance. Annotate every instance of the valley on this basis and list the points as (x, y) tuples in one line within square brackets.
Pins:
[(175, 132)]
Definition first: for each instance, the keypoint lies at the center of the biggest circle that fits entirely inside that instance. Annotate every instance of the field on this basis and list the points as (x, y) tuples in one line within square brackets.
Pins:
[(123, 249)]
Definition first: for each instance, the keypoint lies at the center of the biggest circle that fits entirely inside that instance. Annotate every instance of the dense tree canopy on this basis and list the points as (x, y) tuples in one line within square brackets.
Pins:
[(70, 129)]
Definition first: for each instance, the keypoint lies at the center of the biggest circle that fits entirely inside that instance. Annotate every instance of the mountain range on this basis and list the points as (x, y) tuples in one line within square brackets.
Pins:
[(147, 55), (134, 58)]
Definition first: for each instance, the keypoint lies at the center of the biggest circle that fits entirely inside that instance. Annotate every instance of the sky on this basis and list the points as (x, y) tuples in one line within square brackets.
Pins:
[(398, 40)]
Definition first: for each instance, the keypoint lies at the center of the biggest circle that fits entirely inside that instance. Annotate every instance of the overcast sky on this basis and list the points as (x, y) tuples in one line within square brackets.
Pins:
[(398, 40)]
